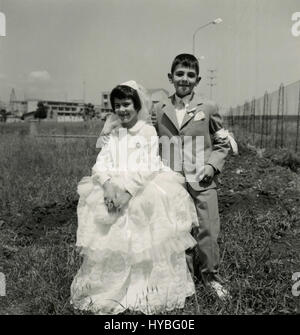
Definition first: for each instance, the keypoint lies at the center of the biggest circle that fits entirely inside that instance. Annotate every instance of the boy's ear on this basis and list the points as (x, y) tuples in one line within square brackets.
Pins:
[(198, 80), (170, 78)]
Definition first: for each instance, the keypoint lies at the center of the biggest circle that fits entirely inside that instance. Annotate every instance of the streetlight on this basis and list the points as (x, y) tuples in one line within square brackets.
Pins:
[(216, 21)]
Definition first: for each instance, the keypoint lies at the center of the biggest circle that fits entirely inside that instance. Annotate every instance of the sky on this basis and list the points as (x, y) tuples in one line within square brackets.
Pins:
[(70, 49)]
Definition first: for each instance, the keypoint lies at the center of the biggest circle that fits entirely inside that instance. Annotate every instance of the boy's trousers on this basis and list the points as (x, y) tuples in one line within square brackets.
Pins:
[(203, 260)]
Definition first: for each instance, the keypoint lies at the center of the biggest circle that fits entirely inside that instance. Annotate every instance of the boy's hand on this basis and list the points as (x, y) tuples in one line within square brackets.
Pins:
[(122, 199), (208, 174)]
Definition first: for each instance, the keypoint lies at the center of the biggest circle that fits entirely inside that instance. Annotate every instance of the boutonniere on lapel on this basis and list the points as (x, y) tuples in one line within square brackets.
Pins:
[(197, 116), (192, 111)]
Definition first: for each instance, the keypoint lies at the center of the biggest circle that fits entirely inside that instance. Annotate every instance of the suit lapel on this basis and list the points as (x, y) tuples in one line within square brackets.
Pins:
[(191, 108), (187, 118), (169, 111)]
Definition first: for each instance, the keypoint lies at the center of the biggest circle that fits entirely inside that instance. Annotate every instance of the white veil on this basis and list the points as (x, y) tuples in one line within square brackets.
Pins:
[(113, 122), (146, 103)]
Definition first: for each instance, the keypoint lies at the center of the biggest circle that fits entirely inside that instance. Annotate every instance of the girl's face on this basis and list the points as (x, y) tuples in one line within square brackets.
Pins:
[(126, 112)]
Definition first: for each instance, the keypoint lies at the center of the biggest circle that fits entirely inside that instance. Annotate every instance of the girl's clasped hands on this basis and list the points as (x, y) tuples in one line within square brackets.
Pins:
[(115, 198)]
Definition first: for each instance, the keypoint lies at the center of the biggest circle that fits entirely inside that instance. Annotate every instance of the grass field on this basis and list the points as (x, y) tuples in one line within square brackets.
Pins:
[(259, 241)]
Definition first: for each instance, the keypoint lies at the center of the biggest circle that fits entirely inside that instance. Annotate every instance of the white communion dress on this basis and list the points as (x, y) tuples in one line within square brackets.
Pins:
[(134, 259)]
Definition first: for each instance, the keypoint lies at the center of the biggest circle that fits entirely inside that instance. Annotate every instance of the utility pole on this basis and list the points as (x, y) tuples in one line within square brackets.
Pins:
[(211, 83), (12, 101), (84, 91)]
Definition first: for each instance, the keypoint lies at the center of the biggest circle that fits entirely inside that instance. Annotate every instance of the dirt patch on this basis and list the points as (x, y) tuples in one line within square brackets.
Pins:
[(45, 221), (261, 188)]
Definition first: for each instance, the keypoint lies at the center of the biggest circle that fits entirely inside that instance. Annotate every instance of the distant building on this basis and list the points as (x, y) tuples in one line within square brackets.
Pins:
[(10, 118), (17, 108), (56, 110), (105, 107), (28, 116), (158, 94)]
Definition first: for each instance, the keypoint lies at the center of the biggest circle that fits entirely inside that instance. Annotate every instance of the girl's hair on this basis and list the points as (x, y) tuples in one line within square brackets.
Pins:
[(125, 92), (187, 60)]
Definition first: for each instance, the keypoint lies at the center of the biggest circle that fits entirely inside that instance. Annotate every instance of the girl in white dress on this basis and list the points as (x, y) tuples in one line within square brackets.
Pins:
[(134, 220)]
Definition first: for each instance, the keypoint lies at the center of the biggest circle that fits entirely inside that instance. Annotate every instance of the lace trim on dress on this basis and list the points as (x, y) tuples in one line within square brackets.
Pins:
[(175, 244)]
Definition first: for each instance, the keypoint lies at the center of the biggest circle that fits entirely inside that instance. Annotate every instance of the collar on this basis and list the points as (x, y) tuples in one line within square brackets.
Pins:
[(137, 127), (186, 99), (196, 100)]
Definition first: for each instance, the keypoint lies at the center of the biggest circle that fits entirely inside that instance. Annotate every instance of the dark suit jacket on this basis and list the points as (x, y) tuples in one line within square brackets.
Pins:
[(201, 121)]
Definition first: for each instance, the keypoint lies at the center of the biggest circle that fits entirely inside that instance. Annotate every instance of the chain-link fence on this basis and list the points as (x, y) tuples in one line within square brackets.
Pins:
[(271, 121)]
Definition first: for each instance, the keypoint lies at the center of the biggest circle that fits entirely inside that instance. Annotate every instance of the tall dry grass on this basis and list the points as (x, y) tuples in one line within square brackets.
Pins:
[(34, 171)]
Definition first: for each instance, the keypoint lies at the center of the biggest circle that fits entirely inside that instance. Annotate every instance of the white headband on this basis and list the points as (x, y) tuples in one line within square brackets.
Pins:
[(146, 103)]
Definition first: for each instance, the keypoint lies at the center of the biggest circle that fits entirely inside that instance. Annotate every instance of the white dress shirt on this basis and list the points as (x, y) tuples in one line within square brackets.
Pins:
[(181, 105)]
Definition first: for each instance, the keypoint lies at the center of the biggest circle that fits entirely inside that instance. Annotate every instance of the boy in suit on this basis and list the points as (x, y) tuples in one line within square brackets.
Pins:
[(186, 115)]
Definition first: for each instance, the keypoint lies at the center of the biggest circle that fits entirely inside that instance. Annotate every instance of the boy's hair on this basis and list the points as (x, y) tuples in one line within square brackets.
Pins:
[(125, 92), (187, 60)]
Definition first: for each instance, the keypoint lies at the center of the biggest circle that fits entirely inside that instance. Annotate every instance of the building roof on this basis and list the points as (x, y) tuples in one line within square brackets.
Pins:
[(28, 113), (153, 90), (159, 95)]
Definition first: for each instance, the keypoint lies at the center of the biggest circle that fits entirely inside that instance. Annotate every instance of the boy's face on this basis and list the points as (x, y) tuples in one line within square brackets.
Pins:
[(184, 80)]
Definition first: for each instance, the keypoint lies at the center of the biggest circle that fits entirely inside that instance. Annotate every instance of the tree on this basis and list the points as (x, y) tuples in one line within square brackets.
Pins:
[(41, 112), (2, 115), (89, 111)]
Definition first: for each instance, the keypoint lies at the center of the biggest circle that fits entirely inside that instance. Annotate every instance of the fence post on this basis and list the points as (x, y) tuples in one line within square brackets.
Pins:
[(270, 132), (266, 114), (282, 115), (253, 119), (278, 115), (263, 119), (231, 116), (249, 117)]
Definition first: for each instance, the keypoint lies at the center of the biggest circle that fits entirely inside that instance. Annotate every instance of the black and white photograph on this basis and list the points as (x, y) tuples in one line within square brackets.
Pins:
[(149, 160)]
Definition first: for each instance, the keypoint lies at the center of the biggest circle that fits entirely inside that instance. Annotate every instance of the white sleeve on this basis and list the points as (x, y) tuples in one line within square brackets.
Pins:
[(101, 141), (111, 123), (104, 163)]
